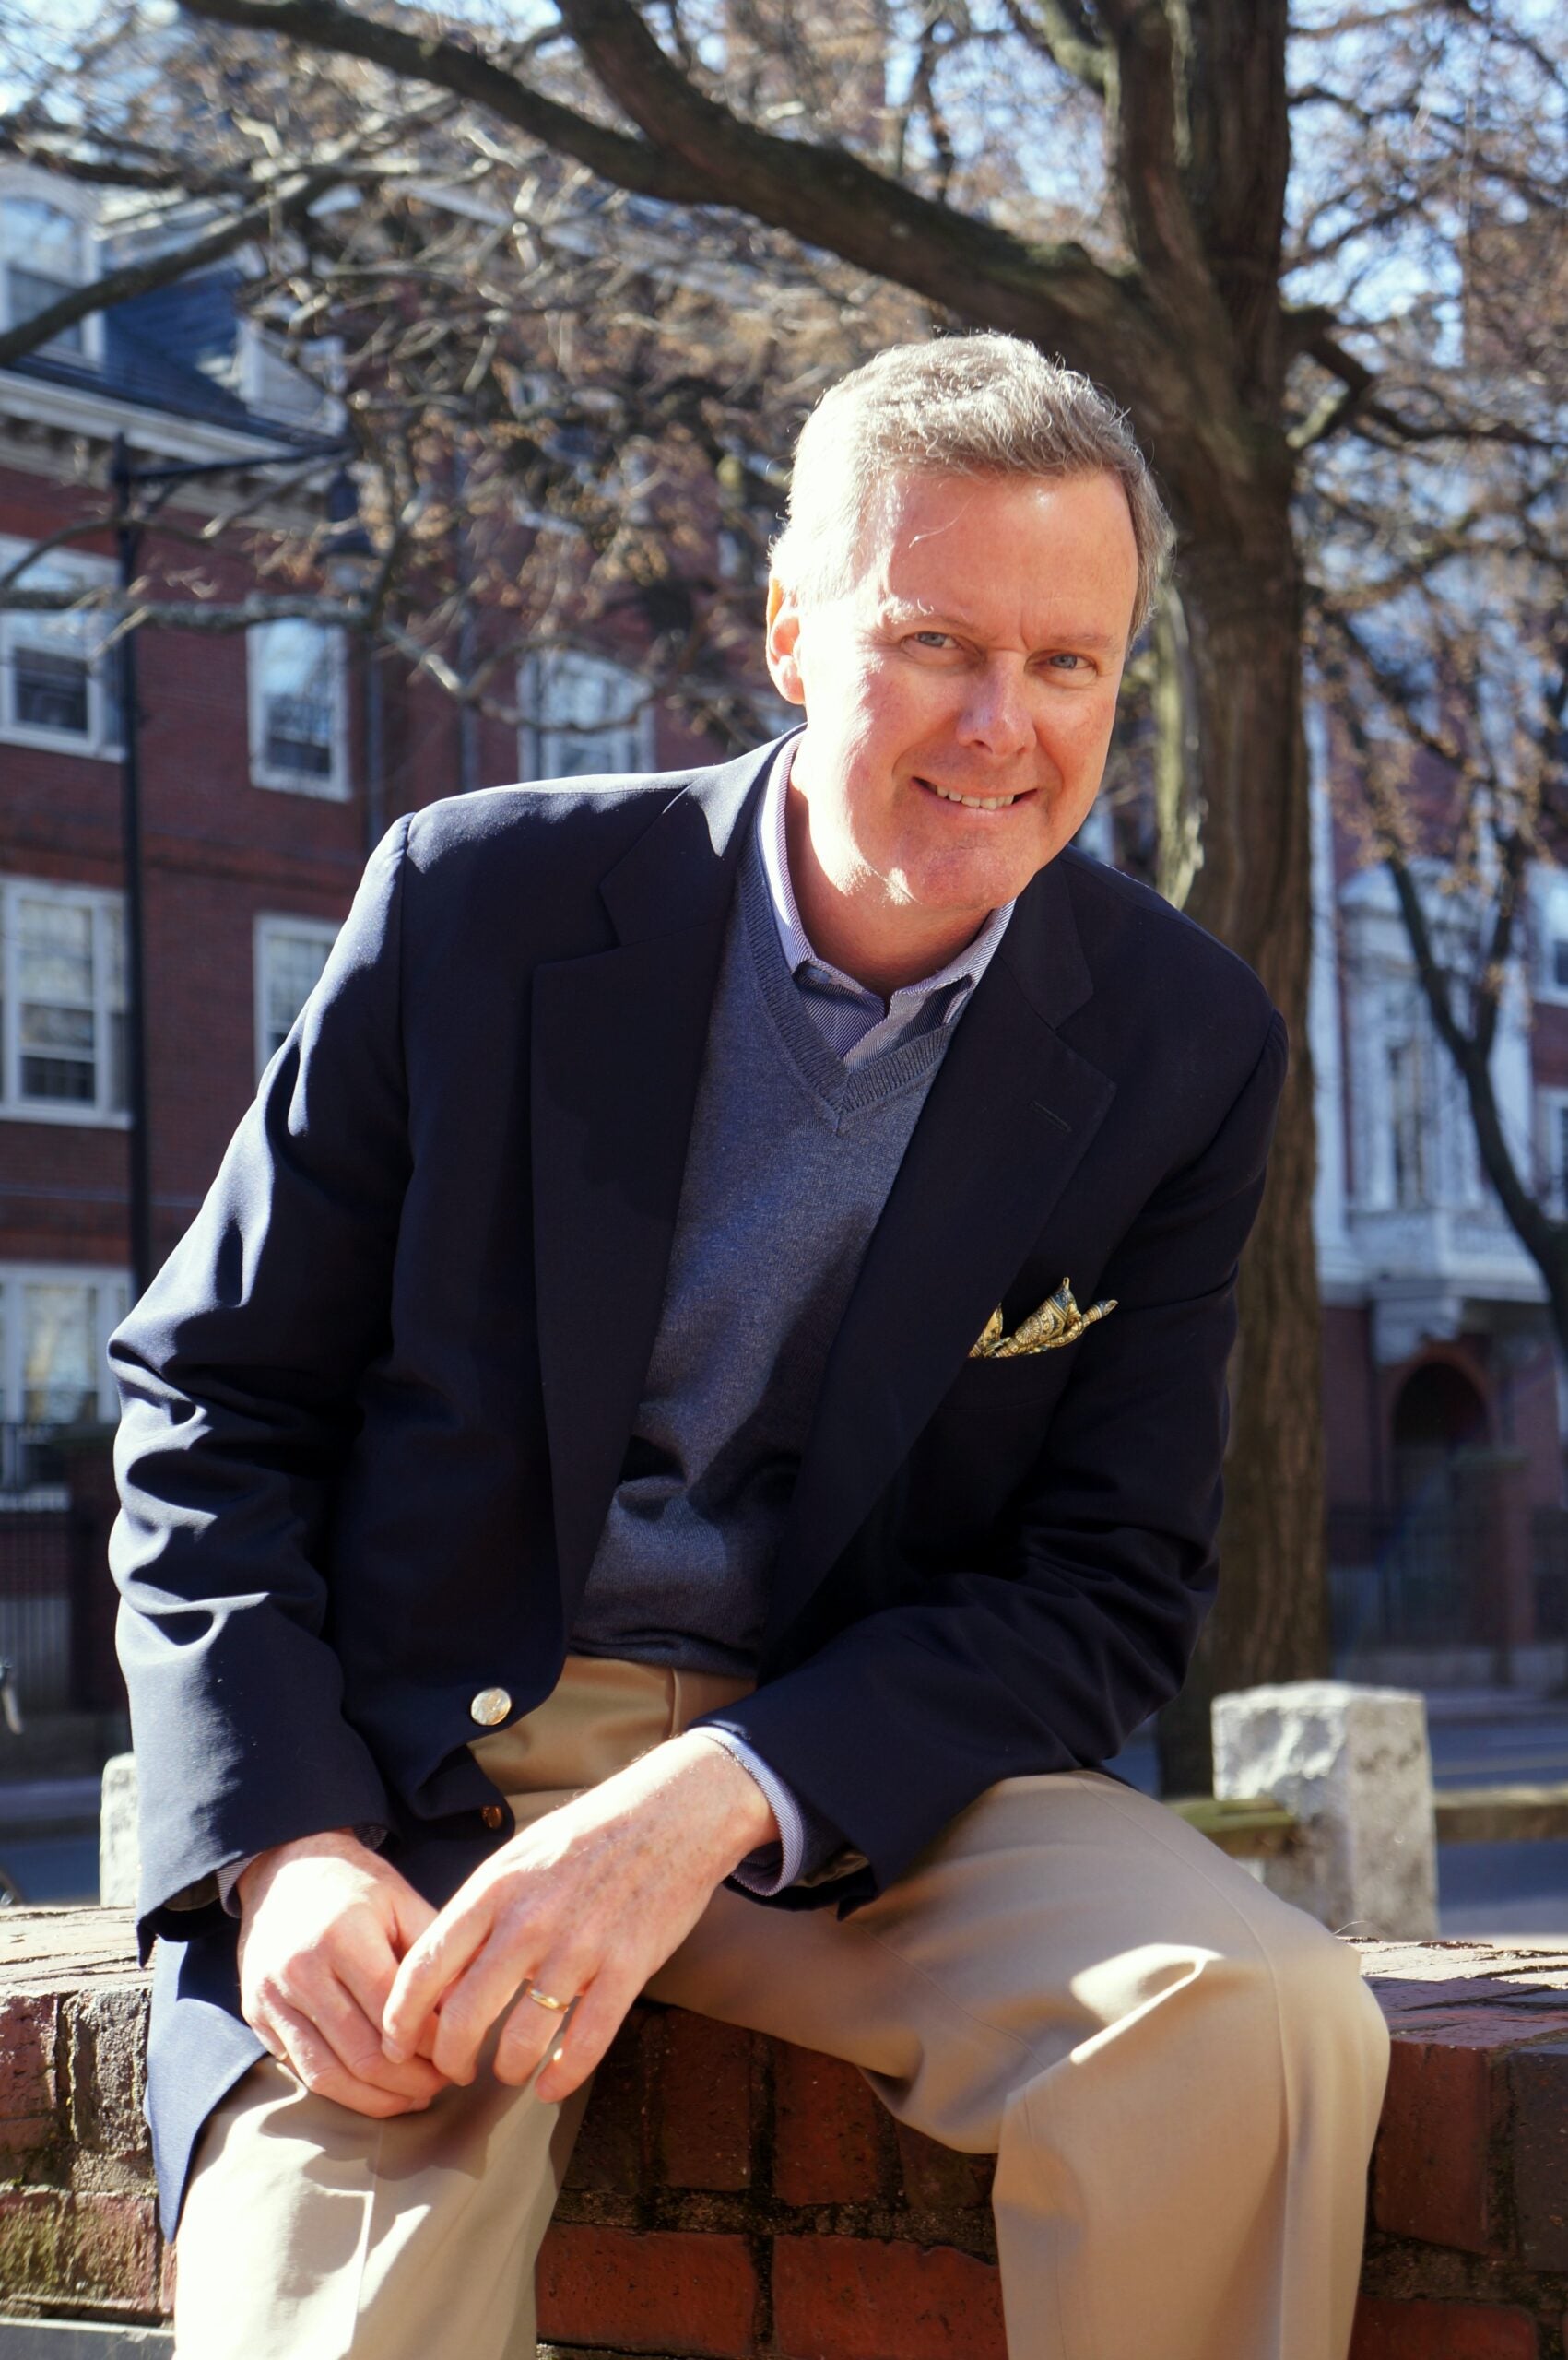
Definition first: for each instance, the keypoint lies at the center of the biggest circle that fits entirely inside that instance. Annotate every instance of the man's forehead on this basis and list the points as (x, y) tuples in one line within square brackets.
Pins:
[(1045, 551)]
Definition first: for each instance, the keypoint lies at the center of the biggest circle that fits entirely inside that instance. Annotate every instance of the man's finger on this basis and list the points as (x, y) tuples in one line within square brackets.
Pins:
[(310, 2057), (436, 1961), (479, 1997), (356, 2038), (575, 2052)]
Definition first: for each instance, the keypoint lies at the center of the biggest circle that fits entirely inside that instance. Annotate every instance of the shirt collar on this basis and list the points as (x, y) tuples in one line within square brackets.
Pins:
[(772, 843)]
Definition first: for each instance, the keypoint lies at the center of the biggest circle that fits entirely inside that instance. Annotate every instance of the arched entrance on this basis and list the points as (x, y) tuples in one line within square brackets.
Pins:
[(1439, 1412), (1434, 1572)]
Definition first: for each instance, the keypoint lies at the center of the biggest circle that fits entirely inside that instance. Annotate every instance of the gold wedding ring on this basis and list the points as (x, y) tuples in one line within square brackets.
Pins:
[(542, 2000)]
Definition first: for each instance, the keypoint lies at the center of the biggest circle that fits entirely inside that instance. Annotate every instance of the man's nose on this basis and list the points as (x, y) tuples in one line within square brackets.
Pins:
[(995, 719)]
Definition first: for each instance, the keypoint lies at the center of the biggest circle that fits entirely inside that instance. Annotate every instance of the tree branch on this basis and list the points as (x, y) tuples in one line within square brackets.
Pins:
[(291, 197), (825, 195), (448, 65), (1061, 28)]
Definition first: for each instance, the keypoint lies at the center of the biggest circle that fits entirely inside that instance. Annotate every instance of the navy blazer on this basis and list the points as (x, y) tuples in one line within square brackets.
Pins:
[(377, 1402)]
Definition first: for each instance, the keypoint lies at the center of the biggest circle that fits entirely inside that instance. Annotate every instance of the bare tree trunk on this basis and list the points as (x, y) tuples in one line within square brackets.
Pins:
[(1270, 1621)]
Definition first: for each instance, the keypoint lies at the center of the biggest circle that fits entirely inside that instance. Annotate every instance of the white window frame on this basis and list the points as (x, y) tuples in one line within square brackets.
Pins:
[(80, 204), (112, 1299), (1551, 913), (269, 927), (97, 742), (94, 1113), (1551, 1114), (629, 746), (334, 787)]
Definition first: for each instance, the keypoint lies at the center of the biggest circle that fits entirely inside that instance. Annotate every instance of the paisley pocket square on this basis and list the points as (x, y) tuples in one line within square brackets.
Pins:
[(1058, 1321)]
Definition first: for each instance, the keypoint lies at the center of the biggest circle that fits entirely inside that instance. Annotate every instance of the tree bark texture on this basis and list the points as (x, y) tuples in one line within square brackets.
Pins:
[(1271, 1620)]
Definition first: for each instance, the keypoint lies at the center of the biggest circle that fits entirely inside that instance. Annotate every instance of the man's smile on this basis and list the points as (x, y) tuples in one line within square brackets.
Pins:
[(975, 802)]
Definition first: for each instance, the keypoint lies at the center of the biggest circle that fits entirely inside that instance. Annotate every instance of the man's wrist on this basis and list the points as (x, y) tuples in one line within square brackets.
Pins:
[(333, 1843), (744, 1818)]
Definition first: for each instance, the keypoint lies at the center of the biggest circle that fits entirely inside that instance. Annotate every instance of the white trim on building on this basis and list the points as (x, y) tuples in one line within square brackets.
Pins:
[(297, 699), (57, 684), (584, 715), (55, 1321), (289, 956), (49, 244), (61, 1003)]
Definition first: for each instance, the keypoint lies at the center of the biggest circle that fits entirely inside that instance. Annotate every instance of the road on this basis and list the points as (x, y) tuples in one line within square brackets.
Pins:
[(48, 1845)]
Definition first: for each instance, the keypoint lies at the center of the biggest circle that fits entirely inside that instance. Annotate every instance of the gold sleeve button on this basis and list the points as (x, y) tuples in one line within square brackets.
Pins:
[(493, 1815), (491, 1707)]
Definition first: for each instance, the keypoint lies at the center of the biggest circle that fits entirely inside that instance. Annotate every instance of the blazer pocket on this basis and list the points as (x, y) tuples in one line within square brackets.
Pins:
[(992, 1387)]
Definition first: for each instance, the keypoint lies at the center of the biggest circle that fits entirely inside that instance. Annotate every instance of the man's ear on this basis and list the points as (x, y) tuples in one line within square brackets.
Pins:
[(784, 632)]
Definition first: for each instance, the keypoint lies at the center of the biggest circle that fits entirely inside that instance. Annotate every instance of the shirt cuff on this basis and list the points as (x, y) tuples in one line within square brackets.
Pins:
[(771, 1867)]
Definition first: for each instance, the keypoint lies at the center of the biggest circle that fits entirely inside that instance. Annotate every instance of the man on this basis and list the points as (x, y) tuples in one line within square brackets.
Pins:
[(618, 1448)]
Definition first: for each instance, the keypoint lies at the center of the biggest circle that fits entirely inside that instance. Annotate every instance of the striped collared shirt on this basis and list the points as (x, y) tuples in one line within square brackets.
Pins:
[(855, 1022)]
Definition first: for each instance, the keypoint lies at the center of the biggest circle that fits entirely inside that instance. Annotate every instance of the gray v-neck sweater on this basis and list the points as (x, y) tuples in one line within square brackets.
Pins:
[(791, 1159)]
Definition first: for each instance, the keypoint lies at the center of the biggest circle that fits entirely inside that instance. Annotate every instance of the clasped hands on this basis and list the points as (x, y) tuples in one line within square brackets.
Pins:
[(373, 1998)]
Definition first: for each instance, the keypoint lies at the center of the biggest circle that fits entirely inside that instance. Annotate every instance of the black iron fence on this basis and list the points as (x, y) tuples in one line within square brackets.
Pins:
[(1426, 1577), (56, 1600)]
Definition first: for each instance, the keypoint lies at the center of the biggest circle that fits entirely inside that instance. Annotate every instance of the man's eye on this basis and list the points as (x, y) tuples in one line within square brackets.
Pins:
[(933, 639), (1066, 661)]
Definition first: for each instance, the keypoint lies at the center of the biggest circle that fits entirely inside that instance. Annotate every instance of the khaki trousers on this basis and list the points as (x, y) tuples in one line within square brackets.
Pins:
[(1180, 2077)]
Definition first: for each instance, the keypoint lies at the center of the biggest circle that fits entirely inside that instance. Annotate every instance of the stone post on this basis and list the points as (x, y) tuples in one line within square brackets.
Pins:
[(119, 1861), (1353, 1765)]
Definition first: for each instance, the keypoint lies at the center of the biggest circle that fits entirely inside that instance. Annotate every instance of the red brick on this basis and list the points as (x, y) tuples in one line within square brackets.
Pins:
[(704, 2103), (649, 2291), (1432, 2165), (829, 2133), (1442, 2331), (27, 2091), (939, 2179), (1538, 2081), (847, 2299), (34, 2237), (107, 2029), (114, 2249)]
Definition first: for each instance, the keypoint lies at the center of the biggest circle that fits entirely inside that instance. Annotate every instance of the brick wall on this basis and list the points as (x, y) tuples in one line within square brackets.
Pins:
[(736, 2198), (218, 852)]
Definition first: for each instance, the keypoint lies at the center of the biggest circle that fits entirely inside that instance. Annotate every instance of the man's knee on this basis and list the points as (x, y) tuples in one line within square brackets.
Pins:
[(1321, 2004)]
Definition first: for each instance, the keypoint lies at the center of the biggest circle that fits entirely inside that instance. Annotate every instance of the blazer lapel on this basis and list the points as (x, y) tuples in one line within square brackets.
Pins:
[(1011, 1114), (617, 1041)]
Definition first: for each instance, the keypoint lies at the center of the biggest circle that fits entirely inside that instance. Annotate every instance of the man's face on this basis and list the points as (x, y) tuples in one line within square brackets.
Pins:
[(977, 656)]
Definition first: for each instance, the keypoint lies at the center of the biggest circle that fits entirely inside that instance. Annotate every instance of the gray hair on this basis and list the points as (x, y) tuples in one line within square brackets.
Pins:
[(981, 405)]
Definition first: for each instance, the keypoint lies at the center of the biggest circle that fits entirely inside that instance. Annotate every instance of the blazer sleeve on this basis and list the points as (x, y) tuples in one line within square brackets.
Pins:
[(1048, 1659), (237, 1373)]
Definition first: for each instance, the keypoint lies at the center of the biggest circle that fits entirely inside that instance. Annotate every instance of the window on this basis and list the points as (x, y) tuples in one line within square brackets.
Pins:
[(584, 715), (1551, 934), (1551, 1135), (58, 685), (290, 954), (61, 1003), (299, 720), (1407, 1117), (54, 1325), (44, 253)]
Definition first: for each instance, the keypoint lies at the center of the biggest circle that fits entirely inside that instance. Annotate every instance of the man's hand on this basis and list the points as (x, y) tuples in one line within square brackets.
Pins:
[(325, 1924), (585, 1905)]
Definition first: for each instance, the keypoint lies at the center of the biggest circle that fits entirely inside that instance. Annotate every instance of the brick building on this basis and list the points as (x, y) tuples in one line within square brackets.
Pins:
[(1445, 1400), (264, 783)]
